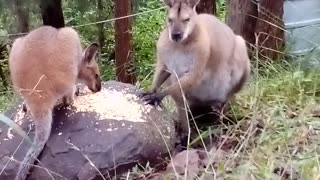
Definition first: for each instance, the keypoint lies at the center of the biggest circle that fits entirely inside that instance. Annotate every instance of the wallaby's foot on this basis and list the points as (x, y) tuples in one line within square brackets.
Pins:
[(217, 107), (181, 140), (220, 109)]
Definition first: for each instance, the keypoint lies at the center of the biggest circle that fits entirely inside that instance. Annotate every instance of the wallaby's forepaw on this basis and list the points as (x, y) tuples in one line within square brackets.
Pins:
[(67, 100), (77, 91), (151, 98)]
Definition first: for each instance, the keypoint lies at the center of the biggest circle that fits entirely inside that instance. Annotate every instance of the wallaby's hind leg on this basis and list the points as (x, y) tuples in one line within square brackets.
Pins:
[(182, 128), (181, 115), (183, 120)]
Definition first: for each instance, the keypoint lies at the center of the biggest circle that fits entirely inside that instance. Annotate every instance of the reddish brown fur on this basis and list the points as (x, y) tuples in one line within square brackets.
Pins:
[(44, 67)]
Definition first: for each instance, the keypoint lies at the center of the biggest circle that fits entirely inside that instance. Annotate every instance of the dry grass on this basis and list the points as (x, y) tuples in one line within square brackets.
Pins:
[(277, 133)]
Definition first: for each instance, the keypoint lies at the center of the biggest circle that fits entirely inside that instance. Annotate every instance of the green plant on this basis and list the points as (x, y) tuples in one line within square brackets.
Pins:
[(145, 35)]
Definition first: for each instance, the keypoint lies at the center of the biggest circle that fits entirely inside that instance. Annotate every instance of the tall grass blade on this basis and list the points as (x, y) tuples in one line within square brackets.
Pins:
[(12, 124)]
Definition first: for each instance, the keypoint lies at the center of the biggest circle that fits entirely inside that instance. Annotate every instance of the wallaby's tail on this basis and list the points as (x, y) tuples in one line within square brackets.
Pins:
[(42, 121)]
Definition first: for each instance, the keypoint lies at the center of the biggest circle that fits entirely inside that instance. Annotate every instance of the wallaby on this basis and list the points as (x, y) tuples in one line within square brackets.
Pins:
[(203, 58), (45, 65)]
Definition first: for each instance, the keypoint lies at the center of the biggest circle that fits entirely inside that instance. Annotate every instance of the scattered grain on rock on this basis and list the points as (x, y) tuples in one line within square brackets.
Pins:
[(9, 134), (113, 104), (19, 116)]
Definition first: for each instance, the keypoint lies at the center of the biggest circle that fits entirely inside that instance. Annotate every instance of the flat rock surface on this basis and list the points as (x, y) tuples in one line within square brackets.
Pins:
[(98, 133)]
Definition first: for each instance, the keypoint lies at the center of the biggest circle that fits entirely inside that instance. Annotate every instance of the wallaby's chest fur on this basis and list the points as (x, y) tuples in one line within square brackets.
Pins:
[(173, 60)]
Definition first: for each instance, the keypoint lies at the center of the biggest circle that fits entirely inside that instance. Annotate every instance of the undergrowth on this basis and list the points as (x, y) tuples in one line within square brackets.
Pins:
[(277, 128), (280, 105)]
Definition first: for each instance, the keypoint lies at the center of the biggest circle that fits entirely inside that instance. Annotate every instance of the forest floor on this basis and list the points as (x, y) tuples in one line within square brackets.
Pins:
[(276, 135)]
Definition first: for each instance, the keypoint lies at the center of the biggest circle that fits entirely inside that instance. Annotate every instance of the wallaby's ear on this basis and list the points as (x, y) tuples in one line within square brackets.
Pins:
[(91, 52), (193, 3), (168, 3)]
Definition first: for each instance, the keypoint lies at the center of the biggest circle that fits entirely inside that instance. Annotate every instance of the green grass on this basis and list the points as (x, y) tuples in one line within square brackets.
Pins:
[(7, 100), (278, 136), (283, 103)]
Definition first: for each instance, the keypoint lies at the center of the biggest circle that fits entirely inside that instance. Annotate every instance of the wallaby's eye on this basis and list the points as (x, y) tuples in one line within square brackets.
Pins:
[(96, 76), (170, 20), (187, 20)]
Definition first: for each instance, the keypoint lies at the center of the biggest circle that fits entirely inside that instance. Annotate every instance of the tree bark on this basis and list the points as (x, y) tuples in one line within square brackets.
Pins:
[(101, 37), (2, 75), (206, 6), (270, 29), (241, 17), (52, 14), (22, 12), (123, 44)]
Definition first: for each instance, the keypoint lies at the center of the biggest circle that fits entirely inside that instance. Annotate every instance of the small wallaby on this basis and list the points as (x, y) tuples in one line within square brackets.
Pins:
[(45, 65), (201, 56)]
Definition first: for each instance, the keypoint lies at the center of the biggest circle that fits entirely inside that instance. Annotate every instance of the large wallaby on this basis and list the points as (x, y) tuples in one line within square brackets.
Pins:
[(203, 58), (45, 66)]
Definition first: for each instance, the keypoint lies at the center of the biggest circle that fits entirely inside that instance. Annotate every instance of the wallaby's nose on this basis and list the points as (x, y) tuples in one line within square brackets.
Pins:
[(98, 87), (176, 36)]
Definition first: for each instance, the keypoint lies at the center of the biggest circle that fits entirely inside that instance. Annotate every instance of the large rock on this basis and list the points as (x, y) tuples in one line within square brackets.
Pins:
[(102, 132)]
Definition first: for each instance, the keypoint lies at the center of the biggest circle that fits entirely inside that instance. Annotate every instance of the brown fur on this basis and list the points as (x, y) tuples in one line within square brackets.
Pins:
[(210, 61), (44, 67)]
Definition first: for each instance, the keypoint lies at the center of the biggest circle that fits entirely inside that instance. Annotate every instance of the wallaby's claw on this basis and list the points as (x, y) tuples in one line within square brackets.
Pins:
[(143, 94), (151, 98), (77, 92), (66, 101)]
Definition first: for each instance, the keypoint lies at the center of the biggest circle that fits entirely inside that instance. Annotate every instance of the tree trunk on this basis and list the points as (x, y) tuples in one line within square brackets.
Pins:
[(52, 14), (241, 16), (101, 37), (22, 12), (2, 75), (270, 29), (206, 6), (123, 45)]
